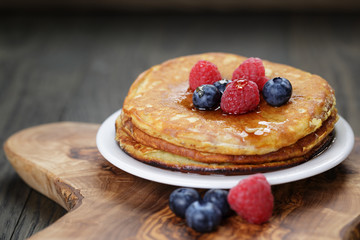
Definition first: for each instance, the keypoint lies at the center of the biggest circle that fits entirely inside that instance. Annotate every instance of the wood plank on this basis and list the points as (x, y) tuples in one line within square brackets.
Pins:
[(36, 83), (107, 203), (38, 213)]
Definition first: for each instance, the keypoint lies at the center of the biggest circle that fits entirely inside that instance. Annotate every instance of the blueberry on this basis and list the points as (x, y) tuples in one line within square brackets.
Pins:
[(277, 91), (221, 85), (203, 216), (219, 198), (206, 97), (181, 198)]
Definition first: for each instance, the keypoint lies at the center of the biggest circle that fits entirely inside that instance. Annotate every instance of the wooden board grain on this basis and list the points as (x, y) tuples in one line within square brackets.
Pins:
[(61, 161)]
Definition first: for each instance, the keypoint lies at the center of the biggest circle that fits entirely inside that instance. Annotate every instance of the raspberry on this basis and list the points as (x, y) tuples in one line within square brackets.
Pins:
[(203, 72), (252, 199), (251, 69), (240, 96), (261, 82)]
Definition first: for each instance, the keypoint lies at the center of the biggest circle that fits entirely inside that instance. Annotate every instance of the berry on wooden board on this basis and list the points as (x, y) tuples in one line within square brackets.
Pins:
[(181, 198), (203, 216), (252, 199)]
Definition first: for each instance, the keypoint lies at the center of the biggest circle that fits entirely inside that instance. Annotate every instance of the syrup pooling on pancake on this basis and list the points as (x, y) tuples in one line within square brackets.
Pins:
[(159, 105), (154, 109)]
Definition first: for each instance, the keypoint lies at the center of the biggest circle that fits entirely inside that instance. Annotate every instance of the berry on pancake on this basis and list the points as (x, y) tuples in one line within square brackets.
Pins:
[(277, 91), (240, 96), (251, 69), (203, 72), (206, 97)]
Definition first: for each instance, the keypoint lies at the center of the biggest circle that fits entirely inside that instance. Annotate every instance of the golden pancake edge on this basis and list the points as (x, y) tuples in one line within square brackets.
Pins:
[(159, 125)]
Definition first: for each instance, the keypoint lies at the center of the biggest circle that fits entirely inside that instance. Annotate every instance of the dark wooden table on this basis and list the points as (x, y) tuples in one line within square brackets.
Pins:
[(79, 67)]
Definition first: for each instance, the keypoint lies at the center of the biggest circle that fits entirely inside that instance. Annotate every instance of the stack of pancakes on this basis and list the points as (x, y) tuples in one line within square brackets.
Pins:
[(159, 125)]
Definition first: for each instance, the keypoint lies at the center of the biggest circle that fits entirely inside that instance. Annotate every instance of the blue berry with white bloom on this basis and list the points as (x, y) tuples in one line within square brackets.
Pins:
[(221, 84), (203, 216), (219, 198), (181, 198), (277, 91), (206, 97)]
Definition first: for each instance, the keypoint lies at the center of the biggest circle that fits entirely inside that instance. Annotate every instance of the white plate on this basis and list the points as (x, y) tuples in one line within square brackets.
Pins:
[(108, 147)]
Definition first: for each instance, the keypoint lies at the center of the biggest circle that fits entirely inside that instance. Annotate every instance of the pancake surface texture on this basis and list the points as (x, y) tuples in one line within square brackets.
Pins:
[(158, 117)]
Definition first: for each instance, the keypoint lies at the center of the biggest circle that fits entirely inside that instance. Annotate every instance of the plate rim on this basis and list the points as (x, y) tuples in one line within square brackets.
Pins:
[(338, 152)]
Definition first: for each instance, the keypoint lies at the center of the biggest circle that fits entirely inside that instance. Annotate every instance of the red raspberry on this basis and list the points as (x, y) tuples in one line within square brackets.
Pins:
[(240, 96), (203, 72), (261, 82), (252, 199), (251, 69)]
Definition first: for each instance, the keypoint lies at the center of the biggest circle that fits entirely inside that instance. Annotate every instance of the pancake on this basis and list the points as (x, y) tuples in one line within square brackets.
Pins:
[(166, 160), (158, 115), (298, 149)]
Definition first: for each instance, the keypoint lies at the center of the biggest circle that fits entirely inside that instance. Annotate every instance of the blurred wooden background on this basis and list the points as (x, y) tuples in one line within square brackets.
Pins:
[(67, 61), (189, 5)]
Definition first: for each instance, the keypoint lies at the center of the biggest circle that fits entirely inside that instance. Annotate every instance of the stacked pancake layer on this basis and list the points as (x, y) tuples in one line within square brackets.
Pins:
[(158, 124)]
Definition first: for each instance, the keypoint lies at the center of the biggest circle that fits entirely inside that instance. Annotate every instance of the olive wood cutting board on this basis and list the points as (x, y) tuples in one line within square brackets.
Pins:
[(61, 161)]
